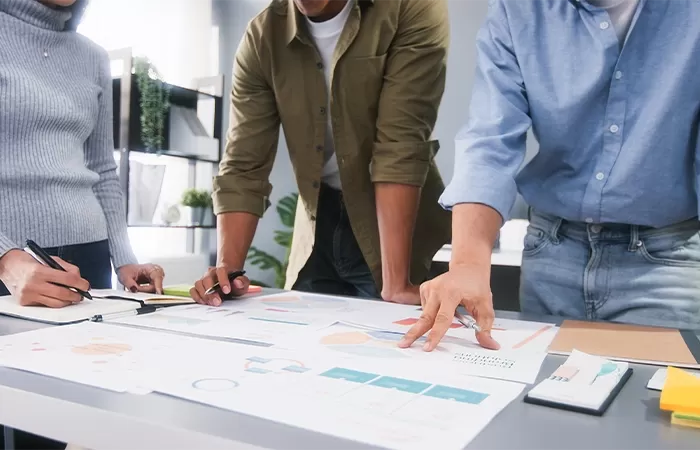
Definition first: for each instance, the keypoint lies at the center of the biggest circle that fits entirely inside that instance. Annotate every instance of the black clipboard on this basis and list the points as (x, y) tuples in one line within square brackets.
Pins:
[(580, 409)]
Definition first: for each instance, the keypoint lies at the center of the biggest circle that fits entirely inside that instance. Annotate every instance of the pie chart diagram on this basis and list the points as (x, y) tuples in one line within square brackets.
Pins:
[(377, 344), (215, 384)]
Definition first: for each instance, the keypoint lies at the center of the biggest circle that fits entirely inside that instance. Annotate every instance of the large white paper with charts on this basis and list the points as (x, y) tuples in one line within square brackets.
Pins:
[(373, 402), (270, 319), (523, 348)]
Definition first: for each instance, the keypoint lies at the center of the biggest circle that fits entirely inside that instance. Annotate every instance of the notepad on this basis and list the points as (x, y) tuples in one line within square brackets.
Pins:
[(631, 343), (584, 383), (681, 392), (80, 312), (141, 297)]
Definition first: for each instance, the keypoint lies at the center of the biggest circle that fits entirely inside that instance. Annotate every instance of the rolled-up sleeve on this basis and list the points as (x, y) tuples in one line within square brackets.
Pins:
[(490, 148), (242, 184), (414, 81)]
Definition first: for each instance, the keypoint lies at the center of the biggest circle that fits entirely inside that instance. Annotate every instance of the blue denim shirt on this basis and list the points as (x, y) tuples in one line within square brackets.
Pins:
[(618, 126)]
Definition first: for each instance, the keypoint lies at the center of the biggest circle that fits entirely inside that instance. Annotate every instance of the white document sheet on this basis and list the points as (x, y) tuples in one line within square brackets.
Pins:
[(106, 356), (656, 383), (519, 359), (374, 403), (268, 319)]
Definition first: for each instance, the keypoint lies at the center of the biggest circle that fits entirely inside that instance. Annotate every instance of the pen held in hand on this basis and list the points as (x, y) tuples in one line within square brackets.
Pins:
[(231, 276), (467, 322), (40, 255)]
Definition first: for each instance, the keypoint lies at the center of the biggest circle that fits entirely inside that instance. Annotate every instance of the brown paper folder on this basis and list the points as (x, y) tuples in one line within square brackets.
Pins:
[(647, 345)]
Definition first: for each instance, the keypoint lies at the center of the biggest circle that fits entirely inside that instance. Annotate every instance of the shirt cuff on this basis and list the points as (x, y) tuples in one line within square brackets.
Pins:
[(6, 245), (402, 163), (229, 197), (481, 184)]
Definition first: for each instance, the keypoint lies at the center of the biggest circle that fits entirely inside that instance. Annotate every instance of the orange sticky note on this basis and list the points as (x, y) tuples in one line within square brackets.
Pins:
[(681, 392)]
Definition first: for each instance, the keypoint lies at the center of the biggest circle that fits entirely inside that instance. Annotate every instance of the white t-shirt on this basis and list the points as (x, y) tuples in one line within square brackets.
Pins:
[(325, 36), (621, 13)]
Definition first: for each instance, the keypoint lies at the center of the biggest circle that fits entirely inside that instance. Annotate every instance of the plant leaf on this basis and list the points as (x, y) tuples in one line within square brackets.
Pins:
[(287, 208), (263, 260), (283, 238)]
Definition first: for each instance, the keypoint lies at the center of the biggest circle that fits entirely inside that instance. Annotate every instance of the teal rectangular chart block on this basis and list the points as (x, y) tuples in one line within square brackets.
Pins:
[(455, 394), (401, 384), (349, 375)]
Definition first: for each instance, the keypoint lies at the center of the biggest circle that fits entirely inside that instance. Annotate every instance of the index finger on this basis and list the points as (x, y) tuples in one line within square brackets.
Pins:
[(443, 321), (157, 281), (424, 323), (68, 279), (222, 278)]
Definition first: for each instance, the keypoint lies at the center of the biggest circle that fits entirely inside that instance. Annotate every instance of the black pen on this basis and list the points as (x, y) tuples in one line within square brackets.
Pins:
[(231, 276), (44, 257), (135, 312)]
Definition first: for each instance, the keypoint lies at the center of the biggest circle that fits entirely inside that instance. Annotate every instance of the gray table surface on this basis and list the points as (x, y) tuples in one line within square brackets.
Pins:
[(101, 419)]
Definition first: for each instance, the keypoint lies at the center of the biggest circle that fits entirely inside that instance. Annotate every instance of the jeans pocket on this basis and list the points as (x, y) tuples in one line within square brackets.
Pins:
[(681, 249), (535, 241)]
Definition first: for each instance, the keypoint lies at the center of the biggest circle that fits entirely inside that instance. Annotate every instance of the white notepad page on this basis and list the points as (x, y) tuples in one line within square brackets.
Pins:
[(85, 310)]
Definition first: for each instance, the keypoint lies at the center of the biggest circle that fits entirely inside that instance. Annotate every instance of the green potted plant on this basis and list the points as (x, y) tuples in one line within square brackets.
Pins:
[(286, 209), (154, 103), (199, 202)]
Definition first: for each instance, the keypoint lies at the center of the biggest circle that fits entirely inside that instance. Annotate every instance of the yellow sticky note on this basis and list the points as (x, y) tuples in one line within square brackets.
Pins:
[(183, 290), (681, 392)]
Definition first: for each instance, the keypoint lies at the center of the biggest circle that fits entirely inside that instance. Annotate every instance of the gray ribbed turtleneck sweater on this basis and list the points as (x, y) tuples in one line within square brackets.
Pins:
[(58, 179)]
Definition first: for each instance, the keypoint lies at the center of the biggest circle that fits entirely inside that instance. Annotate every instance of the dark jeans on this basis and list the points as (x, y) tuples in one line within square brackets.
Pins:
[(93, 260), (336, 265)]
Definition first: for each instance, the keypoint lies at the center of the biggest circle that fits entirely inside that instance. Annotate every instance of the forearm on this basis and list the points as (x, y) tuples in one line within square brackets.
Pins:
[(397, 206), (474, 231), (235, 231)]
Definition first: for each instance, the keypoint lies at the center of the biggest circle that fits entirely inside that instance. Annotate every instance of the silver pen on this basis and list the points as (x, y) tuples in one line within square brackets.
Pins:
[(467, 321)]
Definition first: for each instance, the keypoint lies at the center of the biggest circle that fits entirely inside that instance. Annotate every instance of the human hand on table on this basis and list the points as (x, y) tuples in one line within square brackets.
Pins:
[(142, 277), (218, 275), (34, 284), (441, 296)]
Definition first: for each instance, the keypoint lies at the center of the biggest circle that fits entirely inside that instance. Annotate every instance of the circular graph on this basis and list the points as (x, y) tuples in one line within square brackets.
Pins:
[(215, 384), (304, 302)]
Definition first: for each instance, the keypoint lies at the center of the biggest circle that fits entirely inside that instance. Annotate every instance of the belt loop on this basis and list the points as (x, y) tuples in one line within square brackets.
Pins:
[(634, 238), (554, 231), (529, 213)]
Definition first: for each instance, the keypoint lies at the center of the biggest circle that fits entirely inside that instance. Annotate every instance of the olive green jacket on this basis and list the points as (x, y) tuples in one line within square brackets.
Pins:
[(387, 81)]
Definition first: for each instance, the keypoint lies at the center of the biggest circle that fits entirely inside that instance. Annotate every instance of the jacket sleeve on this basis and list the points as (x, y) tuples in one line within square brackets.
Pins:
[(414, 81), (490, 148), (242, 184)]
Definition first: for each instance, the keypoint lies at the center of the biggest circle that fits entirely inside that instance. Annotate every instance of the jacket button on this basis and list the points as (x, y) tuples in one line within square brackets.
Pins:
[(319, 65), (315, 184), (319, 148), (323, 110)]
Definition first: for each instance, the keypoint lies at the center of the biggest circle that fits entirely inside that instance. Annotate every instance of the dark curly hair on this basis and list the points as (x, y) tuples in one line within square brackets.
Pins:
[(77, 10)]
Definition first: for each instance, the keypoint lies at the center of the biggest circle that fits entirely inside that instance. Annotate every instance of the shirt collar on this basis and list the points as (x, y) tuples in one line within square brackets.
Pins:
[(294, 16)]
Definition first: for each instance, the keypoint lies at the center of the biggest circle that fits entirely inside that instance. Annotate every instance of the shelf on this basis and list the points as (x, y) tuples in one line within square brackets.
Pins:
[(175, 154), (174, 227)]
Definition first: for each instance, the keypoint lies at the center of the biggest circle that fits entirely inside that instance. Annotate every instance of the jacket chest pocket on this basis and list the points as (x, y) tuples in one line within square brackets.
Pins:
[(361, 80)]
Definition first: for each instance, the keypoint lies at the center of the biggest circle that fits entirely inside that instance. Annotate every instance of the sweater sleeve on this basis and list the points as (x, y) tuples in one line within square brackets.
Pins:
[(6, 244), (99, 157)]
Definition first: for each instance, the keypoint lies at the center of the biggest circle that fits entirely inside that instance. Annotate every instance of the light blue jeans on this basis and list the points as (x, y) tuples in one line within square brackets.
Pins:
[(621, 273)]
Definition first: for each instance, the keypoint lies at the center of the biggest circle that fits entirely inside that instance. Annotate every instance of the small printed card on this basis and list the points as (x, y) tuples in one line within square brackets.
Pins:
[(584, 383)]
